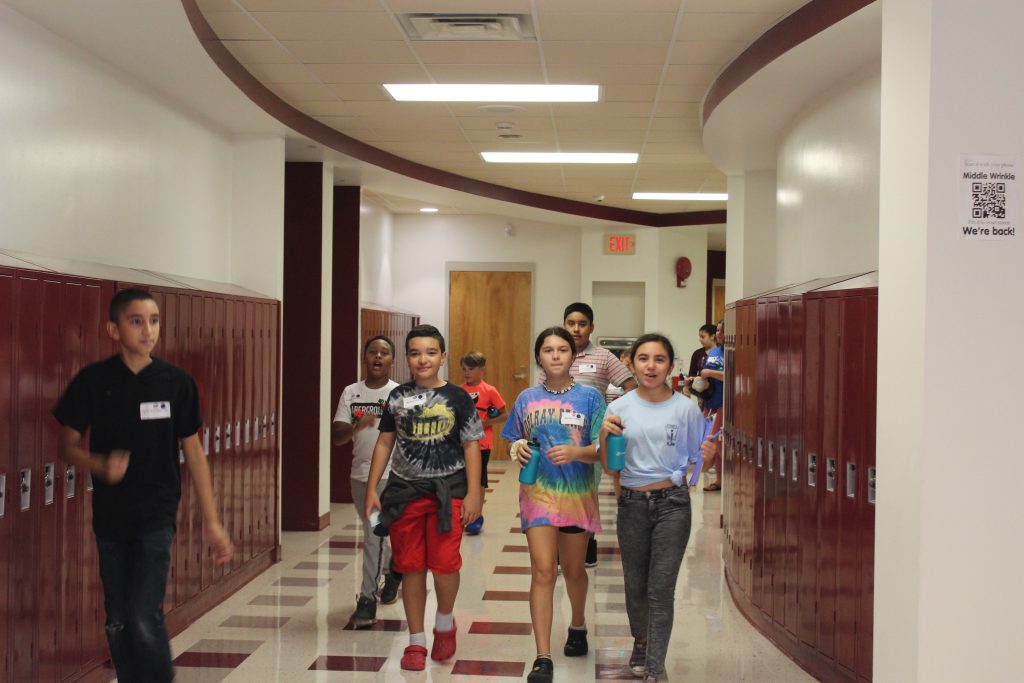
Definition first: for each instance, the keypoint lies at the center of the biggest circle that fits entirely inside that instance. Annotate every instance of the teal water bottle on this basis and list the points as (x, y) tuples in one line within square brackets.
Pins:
[(528, 474), (616, 452), (492, 412)]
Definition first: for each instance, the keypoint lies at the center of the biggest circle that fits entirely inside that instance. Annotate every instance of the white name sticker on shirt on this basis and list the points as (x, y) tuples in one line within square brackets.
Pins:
[(414, 401), (588, 367), (155, 410), (572, 418)]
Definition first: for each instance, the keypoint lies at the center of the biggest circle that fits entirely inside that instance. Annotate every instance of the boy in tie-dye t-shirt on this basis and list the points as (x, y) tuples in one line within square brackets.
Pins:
[(563, 495)]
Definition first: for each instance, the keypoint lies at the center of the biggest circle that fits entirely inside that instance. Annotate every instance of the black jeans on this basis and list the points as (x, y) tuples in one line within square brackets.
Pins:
[(653, 529), (134, 575)]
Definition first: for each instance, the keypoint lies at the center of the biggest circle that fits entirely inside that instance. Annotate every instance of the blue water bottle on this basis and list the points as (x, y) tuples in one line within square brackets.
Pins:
[(616, 455), (493, 412), (528, 474)]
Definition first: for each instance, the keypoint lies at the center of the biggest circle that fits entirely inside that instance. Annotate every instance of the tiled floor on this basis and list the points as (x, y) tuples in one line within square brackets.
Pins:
[(289, 624)]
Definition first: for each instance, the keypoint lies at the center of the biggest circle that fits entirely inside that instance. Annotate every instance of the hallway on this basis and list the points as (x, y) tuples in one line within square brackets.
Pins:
[(288, 625)]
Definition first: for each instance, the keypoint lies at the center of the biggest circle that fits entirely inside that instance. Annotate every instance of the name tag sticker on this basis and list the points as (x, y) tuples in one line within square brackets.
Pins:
[(572, 418), (414, 401), (588, 367), (155, 410)]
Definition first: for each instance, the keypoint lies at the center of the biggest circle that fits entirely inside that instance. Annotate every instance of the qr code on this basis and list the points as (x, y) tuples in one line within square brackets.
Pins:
[(989, 200)]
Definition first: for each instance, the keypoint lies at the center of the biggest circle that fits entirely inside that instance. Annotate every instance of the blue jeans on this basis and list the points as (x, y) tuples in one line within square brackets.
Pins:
[(134, 575), (653, 529)]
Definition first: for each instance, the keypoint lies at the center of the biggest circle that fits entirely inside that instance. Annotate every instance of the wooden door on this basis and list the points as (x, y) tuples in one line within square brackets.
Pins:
[(489, 312)]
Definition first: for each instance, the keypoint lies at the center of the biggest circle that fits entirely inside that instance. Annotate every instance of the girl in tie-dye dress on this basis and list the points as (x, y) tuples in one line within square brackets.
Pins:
[(562, 419)]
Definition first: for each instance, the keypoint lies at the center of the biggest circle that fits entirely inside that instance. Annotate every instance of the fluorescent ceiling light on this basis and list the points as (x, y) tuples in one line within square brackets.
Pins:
[(428, 209), (683, 196), (491, 92), (559, 157)]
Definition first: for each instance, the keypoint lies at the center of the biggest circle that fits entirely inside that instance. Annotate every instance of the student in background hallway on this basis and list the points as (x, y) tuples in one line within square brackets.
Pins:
[(595, 367), (433, 492), (613, 392), (491, 407), (138, 411), (561, 418), (359, 412), (714, 372), (663, 433)]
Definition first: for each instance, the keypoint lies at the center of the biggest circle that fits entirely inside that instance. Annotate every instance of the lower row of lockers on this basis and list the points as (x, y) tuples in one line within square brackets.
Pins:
[(799, 469), (52, 325)]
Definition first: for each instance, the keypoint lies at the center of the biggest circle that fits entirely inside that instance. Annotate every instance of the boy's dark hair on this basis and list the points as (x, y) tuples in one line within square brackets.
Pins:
[(123, 299), (654, 337), (708, 329), (379, 337), (558, 332), (579, 307), (425, 331), (474, 359)]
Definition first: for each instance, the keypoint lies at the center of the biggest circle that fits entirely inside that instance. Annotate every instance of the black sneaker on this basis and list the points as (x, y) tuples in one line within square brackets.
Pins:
[(576, 643), (543, 671), (638, 659), (591, 560), (389, 593), (365, 614)]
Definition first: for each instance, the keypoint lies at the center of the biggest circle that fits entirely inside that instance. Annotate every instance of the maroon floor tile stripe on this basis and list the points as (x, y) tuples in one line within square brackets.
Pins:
[(501, 628), (515, 549), (380, 625), (609, 588), (612, 631), (515, 530), (305, 582), (509, 596), (210, 660), (475, 667), (613, 672), (281, 600), (345, 544), (612, 569), (610, 607), (254, 622), (332, 566), (347, 663), (505, 569), (608, 550)]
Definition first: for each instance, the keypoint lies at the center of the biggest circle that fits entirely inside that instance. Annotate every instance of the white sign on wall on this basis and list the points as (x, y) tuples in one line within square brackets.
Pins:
[(989, 197)]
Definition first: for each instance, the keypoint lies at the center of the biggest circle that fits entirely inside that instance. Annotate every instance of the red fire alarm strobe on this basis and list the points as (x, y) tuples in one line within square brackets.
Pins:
[(683, 270)]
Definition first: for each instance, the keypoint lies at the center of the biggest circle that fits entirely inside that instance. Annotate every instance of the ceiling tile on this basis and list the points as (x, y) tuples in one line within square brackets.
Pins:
[(531, 137), (476, 52), (235, 26), (706, 52), (604, 75), (720, 26), (216, 6), (414, 122), (330, 26), (404, 134), (634, 138), (611, 109), (311, 5), (629, 92), (605, 27), (258, 52), (519, 124), (610, 6), (490, 73), (671, 148), (674, 136), (461, 6), (344, 123), (596, 123), (682, 93), (315, 109), (669, 123), (688, 110), (303, 92), (691, 74), (738, 6), (369, 73), (391, 108), (494, 110), (281, 73), (573, 52), (351, 52), (359, 92)]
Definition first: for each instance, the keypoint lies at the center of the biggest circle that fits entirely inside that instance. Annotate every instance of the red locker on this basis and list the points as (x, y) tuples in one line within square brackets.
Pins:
[(828, 511), (218, 464), (762, 574), (865, 615), (245, 415), (7, 469), (794, 447), (203, 319), (772, 382), (275, 395), (234, 424), (810, 481), (192, 317), (167, 348)]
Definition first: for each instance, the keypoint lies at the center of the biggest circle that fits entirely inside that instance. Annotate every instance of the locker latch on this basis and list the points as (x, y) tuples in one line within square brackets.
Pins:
[(69, 477), (872, 475), (830, 474), (238, 432), (273, 423), (851, 480), (216, 439), (227, 436), (760, 451), (206, 440), (265, 432), (48, 484), (26, 489), (248, 430), (812, 469), (771, 456), (782, 461), (3, 496), (795, 469)]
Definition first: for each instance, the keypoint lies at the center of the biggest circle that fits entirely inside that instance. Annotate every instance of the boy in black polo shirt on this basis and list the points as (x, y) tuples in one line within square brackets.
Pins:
[(137, 409)]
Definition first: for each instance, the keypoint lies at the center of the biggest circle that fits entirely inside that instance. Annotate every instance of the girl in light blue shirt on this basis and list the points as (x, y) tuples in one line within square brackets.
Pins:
[(663, 431)]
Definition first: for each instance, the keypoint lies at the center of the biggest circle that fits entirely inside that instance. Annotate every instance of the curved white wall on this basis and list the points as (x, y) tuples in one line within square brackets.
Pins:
[(827, 192)]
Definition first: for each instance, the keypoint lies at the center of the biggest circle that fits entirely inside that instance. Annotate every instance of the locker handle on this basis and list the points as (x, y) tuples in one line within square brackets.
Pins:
[(3, 496), (830, 475), (69, 474), (812, 469), (760, 452), (782, 461), (872, 476), (26, 489), (795, 469), (851, 480), (771, 456)]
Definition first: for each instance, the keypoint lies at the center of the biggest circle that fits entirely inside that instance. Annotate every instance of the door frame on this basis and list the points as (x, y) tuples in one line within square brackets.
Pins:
[(491, 266)]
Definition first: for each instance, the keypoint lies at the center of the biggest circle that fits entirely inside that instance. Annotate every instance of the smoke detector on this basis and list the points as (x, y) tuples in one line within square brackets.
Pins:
[(437, 26)]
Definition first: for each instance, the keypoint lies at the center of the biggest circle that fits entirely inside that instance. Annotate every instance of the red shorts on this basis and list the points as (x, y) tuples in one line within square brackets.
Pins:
[(416, 544)]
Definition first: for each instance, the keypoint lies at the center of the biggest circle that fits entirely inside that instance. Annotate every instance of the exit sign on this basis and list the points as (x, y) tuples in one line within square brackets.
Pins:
[(619, 244)]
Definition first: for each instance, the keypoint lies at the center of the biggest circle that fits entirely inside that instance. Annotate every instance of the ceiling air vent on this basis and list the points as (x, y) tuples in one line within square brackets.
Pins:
[(420, 26)]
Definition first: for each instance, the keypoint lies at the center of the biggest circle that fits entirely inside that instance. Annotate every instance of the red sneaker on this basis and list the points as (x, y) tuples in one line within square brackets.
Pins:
[(444, 645), (414, 658)]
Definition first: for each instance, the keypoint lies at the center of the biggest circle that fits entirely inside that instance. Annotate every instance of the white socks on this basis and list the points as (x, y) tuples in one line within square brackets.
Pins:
[(418, 639), (444, 622)]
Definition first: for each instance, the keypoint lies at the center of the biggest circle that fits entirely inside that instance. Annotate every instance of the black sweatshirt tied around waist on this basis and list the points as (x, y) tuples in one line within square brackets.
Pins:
[(400, 492)]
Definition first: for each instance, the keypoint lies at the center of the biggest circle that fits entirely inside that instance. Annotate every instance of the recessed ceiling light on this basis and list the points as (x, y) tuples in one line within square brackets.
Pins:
[(683, 196), (428, 209), (491, 92), (559, 157)]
